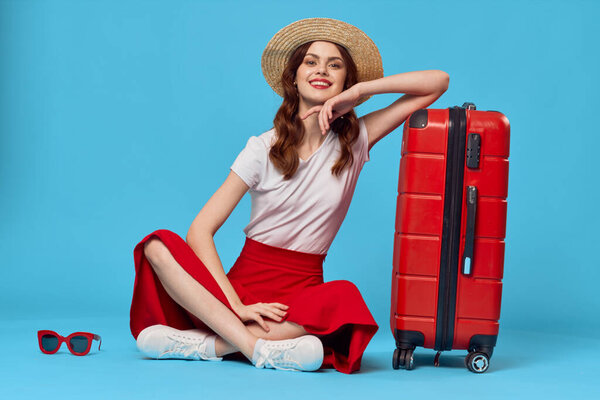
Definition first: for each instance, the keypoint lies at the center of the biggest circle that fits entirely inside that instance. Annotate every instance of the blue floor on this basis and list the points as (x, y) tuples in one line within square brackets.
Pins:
[(525, 365)]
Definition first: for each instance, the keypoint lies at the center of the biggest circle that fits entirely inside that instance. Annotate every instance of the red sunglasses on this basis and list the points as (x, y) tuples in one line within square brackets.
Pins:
[(79, 343)]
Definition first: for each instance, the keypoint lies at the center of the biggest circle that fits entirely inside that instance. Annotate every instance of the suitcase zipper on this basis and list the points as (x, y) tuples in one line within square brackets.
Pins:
[(451, 229)]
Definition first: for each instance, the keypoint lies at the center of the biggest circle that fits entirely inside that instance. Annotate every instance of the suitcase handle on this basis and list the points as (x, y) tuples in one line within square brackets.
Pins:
[(467, 258)]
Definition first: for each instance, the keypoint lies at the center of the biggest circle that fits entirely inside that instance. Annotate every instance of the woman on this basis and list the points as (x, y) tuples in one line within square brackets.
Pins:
[(273, 305)]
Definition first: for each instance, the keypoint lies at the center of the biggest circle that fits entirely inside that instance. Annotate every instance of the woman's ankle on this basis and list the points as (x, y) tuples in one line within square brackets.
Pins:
[(223, 347)]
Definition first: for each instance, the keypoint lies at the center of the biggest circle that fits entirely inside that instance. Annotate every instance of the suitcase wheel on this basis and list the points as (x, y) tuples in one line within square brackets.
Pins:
[(403, 358), (408, 359), (477, 362), (396, 359)]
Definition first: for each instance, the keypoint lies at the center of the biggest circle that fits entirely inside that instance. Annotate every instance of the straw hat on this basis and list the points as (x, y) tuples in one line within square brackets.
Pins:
[(363, 51)]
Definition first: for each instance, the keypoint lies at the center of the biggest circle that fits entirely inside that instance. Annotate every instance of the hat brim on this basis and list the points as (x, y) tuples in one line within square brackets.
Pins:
[(361, 48)]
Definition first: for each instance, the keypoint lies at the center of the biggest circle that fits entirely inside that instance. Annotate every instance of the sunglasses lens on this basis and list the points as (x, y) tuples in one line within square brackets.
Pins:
[(49, 342), (79, 343)]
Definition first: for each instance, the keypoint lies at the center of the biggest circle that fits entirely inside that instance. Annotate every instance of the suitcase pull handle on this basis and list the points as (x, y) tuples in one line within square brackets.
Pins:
[(467, 258)]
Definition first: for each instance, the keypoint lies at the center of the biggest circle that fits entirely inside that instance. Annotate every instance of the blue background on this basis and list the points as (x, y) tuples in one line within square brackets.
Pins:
[(121, 117)]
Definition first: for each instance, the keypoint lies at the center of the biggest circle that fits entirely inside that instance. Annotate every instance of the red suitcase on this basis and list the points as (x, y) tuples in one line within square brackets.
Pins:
[(449, 235)]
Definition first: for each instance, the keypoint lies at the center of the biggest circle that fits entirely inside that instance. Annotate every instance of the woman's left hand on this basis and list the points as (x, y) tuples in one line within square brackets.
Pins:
[(334, 107)]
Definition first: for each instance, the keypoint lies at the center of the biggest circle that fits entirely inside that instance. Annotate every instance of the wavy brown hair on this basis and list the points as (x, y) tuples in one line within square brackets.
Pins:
[(288, 125)]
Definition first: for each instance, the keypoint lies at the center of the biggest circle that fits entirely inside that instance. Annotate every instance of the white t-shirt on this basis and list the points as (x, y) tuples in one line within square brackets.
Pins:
[(305, 212)]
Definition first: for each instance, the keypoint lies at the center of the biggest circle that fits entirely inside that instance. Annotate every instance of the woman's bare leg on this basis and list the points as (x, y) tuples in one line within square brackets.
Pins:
[(277, 331), (196, 299)]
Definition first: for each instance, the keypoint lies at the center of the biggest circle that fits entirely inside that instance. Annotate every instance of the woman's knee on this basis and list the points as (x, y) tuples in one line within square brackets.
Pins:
[(344, 286), (156, 251)]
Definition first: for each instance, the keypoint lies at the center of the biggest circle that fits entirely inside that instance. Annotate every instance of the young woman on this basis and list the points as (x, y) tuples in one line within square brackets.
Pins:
[(273, 305)]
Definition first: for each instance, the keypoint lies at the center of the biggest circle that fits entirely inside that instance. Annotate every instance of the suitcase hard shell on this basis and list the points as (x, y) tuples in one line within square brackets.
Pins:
[(449, 233)]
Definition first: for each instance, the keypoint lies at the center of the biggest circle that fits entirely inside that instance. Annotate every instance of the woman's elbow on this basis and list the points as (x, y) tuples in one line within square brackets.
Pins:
[(199, 230), (189, 238), (444, 81)]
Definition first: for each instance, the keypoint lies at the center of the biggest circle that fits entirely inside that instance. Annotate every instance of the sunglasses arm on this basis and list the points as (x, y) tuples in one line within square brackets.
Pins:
[(98, 338)]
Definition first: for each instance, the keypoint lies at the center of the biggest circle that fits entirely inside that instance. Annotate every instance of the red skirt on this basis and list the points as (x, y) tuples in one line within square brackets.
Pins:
[(334, 311)]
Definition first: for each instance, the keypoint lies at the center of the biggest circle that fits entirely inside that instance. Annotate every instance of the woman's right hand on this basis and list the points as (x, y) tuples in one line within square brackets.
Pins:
[(256, 312)]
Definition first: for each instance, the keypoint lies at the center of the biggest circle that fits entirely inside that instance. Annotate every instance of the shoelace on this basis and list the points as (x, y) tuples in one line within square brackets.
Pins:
[(180, 346), (278, 357)]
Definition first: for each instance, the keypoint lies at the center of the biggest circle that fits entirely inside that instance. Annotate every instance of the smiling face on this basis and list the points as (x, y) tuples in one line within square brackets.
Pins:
[(321, 75)]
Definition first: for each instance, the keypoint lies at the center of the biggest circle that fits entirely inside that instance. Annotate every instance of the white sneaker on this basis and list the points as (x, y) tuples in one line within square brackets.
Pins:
[(160, 341), (301, 354)]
